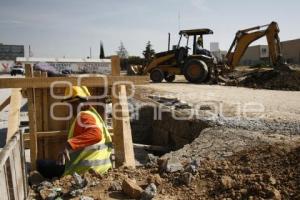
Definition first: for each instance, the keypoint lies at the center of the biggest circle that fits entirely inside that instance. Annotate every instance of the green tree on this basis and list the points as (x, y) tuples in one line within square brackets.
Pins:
[(122, 52), (102, 55), (148, 52)]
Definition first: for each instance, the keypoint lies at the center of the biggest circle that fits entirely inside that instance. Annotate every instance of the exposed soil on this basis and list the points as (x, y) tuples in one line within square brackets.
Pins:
[(267, 79), (264, 172), (239, 158)]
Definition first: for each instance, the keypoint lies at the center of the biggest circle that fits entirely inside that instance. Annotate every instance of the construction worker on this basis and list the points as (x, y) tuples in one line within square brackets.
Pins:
[(199, 48), (199, 43), (89, 143)]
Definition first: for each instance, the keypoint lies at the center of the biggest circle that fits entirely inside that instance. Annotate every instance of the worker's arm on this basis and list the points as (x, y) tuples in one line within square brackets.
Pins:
[(86, 132)]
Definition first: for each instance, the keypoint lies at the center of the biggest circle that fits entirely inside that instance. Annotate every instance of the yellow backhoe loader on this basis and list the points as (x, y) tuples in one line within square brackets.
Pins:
[(201, 66), (196, 67)]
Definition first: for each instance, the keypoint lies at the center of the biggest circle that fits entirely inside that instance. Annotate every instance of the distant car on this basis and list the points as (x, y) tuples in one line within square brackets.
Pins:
[(17, 69), (66, 71)]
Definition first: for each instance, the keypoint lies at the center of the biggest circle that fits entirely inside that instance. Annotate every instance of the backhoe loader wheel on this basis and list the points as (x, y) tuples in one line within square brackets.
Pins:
[(156, 76), (195, 71), (169, 77)]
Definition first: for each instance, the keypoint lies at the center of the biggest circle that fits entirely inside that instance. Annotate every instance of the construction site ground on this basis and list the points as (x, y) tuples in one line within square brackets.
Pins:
[(249, 149)]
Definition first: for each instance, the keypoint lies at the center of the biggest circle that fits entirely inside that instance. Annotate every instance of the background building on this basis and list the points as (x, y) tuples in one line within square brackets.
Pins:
[(215, 50), (8, 55), (259, 54), (11, 52)]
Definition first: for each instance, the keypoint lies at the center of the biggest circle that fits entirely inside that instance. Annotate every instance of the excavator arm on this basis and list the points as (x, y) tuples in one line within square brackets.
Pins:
[(245, 37)]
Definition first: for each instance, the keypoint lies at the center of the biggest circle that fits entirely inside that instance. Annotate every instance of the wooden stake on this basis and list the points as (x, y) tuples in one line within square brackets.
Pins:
[(122, 131), (14, 113), (115, 66), (45, 116), (32, 119)]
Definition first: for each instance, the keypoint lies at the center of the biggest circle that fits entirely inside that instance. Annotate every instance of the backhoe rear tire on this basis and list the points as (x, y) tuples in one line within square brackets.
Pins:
[(156, 76), (195, 71)]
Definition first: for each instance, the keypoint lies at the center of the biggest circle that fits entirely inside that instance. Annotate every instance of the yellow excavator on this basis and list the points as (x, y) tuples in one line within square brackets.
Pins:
[(244, 38), (201, 66)]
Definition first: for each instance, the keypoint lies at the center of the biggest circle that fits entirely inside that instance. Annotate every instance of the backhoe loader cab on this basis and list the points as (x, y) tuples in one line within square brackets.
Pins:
[(195, 35), (194, 63)]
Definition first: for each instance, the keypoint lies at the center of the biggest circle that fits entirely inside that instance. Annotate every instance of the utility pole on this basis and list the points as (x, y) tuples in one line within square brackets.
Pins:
[(90, 52), (30, 54)]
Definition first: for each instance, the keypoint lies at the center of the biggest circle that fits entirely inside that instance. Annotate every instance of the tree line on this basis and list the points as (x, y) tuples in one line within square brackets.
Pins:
[(127, 60)]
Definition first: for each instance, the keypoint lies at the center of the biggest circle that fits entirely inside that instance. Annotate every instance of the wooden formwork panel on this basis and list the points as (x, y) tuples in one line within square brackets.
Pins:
[(41, 100), (45, 110)]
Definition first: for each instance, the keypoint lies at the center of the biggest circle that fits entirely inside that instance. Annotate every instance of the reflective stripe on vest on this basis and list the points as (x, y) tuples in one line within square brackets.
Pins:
[(95, 156), (88, 163), (94, 147)]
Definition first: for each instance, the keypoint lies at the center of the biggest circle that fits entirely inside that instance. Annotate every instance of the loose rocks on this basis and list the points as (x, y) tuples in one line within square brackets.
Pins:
[(130, 188), (149, 192)]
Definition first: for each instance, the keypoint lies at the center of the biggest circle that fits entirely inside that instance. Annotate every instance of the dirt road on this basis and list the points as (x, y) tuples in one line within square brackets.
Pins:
[(272, 104)]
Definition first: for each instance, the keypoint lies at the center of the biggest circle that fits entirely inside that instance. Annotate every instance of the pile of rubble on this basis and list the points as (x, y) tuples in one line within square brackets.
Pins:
[(265, 172), (268, 79)]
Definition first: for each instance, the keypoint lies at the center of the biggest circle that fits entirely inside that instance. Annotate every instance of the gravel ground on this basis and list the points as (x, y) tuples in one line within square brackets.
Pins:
[(219, 143), (227, 101)]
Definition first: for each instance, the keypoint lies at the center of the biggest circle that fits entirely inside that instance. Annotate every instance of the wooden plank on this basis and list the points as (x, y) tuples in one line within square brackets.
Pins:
[(127, 136), (11, 158), (39, 116), (12, 169), (38, 104), (6, 151), (45, 105), (23, 165), (115, 66), (119, 158), (4, 190), (18, 171), (4, 103), (39, 82), (46, 134), (26, 136), (14, 113), (32, 119), (122, 131), (45, 114)]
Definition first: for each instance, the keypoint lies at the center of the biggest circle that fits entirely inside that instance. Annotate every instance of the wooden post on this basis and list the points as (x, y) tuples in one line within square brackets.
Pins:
[(115, 66), (45, 105), (14, 113), (32, 119), (45, 113), (122, 131)]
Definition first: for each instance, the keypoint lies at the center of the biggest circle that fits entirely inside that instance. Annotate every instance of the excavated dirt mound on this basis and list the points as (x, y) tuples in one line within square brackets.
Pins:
[(269, 79), (269, 172), (263, 172)]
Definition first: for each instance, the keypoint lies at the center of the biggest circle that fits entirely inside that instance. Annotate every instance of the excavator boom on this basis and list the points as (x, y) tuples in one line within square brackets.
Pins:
[(245, 37)]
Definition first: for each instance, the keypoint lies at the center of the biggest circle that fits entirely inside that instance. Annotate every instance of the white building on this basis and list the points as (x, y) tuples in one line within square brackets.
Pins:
[(77, 65)]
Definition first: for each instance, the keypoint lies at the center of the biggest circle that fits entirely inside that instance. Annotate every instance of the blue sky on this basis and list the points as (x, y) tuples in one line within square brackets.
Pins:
[(57, 28)]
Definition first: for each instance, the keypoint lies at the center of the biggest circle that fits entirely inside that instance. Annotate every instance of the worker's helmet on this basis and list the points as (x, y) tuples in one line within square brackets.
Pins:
[(76, 93)]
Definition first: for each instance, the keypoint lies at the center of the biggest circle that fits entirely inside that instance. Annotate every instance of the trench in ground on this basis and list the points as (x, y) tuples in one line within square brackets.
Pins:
[(167, 131)]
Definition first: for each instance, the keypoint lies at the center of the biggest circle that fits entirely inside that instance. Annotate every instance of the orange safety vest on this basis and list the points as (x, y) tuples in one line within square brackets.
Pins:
[(96, 156)]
